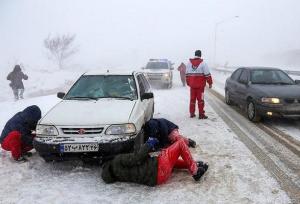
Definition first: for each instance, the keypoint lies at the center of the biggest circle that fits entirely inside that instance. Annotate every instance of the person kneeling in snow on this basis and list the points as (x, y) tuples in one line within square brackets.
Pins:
[(17, 134), (140, 167), (166, 132)]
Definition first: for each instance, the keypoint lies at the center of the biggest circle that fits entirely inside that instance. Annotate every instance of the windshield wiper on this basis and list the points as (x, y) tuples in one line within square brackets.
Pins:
[(81, 97), (121, 97)]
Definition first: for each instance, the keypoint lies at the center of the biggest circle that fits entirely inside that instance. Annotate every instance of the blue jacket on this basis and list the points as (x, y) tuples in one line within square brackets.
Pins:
[(24, 122), (159, 128)]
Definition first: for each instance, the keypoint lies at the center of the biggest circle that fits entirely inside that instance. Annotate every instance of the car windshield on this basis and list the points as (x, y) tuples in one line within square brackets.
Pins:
[(103, 86), (270, 77), (157, 65)]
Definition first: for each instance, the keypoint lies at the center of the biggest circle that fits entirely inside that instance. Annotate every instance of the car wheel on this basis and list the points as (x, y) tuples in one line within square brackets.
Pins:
[(252, 112), (47, 157), (139, 141), (227, 98)]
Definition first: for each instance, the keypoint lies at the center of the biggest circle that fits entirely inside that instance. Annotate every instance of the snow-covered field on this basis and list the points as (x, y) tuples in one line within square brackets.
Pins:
[(234, 175)]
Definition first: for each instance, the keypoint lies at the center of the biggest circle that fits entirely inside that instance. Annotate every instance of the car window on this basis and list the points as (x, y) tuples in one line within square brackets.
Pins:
[(265, 76), (103, 86), (141, 85), (157, 65), (235, 75), (146, 83), (244, 77)]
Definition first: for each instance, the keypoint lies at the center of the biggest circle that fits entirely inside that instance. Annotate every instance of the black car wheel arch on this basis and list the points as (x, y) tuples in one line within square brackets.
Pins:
[(252, 112)]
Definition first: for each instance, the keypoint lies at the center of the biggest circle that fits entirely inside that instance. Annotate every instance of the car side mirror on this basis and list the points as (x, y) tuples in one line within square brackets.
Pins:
[(147, 96), (61, 95), (297, 81)]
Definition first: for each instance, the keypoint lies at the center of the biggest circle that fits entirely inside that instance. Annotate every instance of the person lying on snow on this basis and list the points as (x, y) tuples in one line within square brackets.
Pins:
[(141, 168), (17, 135), (166, 132)]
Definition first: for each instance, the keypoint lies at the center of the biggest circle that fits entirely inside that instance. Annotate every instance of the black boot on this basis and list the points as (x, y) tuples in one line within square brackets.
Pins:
[(192, 143), (202, 116), (201, 170)]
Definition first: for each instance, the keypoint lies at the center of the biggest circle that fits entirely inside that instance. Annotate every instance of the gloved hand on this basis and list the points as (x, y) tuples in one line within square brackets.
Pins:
[(152, 142)]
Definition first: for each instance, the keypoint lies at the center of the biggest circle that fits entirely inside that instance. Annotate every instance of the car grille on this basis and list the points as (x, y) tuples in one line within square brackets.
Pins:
[(81, 131), (292, 100), (154, 76)]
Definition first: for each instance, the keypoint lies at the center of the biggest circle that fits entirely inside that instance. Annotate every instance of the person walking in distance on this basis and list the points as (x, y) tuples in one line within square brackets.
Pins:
[(16, 77), (182, 69), (197, 75)]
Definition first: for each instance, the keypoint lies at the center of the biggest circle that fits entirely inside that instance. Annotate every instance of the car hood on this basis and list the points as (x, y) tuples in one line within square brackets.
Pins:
[(156, 70), (281, 91), (91, 112)]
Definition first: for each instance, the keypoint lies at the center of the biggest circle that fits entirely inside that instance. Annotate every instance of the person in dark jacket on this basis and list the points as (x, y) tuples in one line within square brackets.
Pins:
[(16, 77), (165, 131), (141, 168), (17, 135)]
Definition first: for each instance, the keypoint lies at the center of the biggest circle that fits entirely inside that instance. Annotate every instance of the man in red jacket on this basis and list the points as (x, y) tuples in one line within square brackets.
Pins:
[(197, 75)]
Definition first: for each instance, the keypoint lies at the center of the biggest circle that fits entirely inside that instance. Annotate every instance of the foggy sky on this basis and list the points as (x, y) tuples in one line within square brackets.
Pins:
[(126, 33)]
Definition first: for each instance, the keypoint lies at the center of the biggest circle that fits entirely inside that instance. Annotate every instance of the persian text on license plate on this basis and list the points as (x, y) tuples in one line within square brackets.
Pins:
[(79, 147)]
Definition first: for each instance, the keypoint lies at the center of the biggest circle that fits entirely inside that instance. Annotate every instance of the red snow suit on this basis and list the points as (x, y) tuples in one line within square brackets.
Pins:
[(169, 158), (197, 75), (13, 143)]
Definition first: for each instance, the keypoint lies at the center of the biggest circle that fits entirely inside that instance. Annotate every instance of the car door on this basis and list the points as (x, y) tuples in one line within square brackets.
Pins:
[(143, 103), (149, 102), (232, 84), (242, 87)]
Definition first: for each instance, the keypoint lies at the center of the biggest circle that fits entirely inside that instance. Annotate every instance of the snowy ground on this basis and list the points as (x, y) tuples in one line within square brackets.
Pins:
[(234, 175)]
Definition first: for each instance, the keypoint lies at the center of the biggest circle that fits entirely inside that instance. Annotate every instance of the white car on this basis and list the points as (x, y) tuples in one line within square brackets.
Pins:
[(159, 72), (101, 115)]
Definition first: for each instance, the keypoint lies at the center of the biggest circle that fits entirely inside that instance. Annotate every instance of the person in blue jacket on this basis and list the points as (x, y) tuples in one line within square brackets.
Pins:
[(166, 132), (17, 135)]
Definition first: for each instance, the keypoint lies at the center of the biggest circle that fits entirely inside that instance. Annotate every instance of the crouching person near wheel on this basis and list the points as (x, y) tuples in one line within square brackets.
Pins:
[(141, 168), (166, 132), (17, 135)]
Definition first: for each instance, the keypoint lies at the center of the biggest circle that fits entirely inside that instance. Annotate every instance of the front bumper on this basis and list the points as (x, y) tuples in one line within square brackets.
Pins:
[(279, 110), (52, 145)]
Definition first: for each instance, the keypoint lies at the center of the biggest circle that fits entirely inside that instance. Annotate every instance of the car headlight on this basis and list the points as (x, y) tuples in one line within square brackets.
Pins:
[(166, 75), (270, 100), (128, 128), (48, 130)]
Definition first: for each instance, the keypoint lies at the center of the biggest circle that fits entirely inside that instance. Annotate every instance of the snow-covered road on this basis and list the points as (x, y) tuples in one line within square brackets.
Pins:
[(234, 175)]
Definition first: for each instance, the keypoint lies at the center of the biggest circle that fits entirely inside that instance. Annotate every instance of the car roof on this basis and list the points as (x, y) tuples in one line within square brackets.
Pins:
[(260, 68), (111, 72)]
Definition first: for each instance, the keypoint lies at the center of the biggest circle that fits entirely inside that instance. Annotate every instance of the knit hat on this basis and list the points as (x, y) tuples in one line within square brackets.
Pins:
[(198, 53)]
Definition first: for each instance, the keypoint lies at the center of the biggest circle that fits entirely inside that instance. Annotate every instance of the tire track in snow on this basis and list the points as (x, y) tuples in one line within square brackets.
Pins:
[(226, 113)]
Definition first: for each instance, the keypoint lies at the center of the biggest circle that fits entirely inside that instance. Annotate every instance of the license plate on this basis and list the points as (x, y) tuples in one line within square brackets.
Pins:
[(79, 147)]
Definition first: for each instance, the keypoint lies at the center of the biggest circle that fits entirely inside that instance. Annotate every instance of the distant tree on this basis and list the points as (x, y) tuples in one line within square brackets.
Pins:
[(60, 48)]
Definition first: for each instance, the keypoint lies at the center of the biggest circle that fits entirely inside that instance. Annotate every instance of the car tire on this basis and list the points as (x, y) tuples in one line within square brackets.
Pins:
[(228, 101), (139, 141), (252, 112), (47, 158)]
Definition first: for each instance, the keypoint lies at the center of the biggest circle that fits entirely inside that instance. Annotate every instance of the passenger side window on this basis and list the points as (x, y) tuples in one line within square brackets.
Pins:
[(244, 77), (141, 84), (236, 74)]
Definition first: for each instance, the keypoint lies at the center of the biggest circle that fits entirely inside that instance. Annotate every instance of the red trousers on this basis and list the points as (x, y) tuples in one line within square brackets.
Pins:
[(175, 136), (197, 94), (14, 144), (169, 158)]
